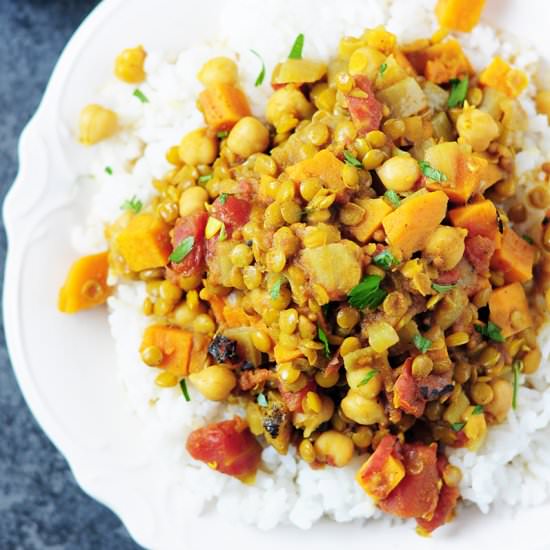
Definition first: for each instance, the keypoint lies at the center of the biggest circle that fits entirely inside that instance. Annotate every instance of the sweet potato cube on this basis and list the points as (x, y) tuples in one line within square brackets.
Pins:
[(175, 344), (508, 308), (501, 76), (514, 258), (323, 165), (479, 218), (86, 284), (375, 211), (145, 242), (462, 170), (223, 105), (408, 227), (459, 15)]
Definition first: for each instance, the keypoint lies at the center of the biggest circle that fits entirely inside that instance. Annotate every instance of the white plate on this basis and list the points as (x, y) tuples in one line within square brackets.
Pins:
[(65, 365)]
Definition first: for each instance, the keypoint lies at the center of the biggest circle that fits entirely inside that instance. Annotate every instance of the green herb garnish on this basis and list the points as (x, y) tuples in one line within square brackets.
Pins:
[(430, 172), (140, 95), (261, 400), (528, 239), (367, 293), (184, 390), (385, 260), (383, 68), (351, 160), (223, 198), (368, 377), (478, 409), (422, 344), (442, 288), (457, 426), (459, 90), (393, 197), (323, 338), (261, 76), (490, 331), (205, 178), (275, 291), (182, 250), (297, 47), (516, 367), (109, 170), (134, 205), (222, 135)]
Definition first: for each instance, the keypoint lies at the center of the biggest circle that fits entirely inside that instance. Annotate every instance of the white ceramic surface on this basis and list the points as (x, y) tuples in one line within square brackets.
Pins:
[(65, 364)]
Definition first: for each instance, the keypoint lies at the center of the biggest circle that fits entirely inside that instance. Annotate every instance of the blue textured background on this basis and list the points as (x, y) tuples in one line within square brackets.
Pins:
[(41, 507)]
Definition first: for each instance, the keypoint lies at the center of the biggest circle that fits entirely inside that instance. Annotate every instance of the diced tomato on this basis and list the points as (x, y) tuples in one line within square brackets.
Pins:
[(190, 226), (334, 365), (405, 392), (461, 440), (444, 512), (383, 471), (366, 112), (417, 495), (479, 251), (448, 277), (232, 211), (228, 447), (293, 400)]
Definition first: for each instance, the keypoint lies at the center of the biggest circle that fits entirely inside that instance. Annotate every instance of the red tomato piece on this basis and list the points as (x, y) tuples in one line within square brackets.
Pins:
[(232, 211), (479, 251), (366, 112), (405, 392), (417, 495), (293, 400), (448, 277), (190, 226), (228, 447), (444, 511)]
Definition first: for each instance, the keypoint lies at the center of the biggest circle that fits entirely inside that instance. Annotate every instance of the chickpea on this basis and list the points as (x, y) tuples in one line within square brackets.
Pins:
[(399, 173), (445, 246), (312, 420), (364, 383), (96, 124), (197, 147), (543, 103), (248, 136), (531, 361), (477, 128), (361, 409), (241, 255), (192, 200), (501, 403), (218, 70), (215, 382), (285, 101), (334, 448), (129, 65)]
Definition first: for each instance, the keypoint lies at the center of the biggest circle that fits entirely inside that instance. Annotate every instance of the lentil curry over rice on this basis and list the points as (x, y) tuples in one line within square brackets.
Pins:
[(350, 269)]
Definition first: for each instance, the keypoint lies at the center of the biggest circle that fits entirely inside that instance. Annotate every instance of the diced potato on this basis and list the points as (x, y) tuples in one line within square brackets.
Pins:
[(437, 96), (475, 429), (514, 258), (509, 309), (504, 78), (336, 267), (381, 336), (298, 71), (366, 61), (459, 15), (405, 98), (442, 127), (408, 227), (223, 105), (145, 242), (375, 211), (381, 39), (458, 403), (392, 73)]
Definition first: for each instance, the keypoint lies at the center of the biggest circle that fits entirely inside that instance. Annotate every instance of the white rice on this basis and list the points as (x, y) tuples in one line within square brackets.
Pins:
[(513, 467)]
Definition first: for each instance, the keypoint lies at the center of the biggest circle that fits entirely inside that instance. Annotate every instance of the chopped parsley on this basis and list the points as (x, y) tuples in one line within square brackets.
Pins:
[(459, 90), (385, 260), (261, 400), (205, 178), (323, 337), (351, 160), (442, 288), (478, 409), (140, 95), (134, 205), (367, 293), (109, 170), (275, 291), (393, 198), (430, 172), (368, 377), (297, 47), (383, 68), (223, 198), (261, 75), (222, 135), (490, 331), (457, 426), (516, 367), (184, 390), (528, 239), (182, 250), (421, 343)]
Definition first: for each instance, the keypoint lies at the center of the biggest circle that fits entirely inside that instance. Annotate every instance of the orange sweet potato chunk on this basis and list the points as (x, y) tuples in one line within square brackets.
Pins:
[(375, 211), (507, 302), (145, 242), (223, 105), (514, 258), (86, 284), (479, 218), (176, 345), (408, 227), (501, 76), (459, 15)]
